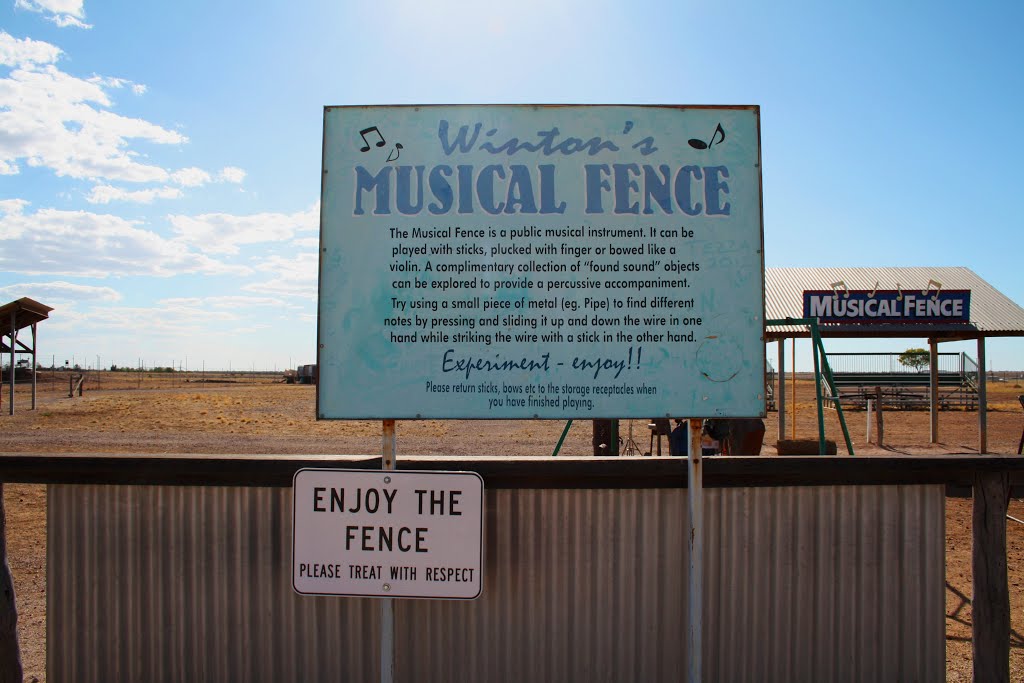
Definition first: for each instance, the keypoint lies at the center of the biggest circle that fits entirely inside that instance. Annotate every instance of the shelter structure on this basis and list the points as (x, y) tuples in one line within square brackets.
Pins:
[(15, 316), (940, 304)]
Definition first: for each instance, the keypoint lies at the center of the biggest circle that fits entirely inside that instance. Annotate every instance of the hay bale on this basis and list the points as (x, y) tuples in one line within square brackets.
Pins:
[(804, 447)]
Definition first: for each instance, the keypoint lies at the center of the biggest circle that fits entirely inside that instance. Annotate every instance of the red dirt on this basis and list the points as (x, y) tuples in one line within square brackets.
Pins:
[(168, 415)]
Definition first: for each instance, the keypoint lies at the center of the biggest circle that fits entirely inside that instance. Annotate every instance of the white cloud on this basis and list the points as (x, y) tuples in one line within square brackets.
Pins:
[(15, 52), (220, 233), (104, 194), (12, 206), (231, 174), (222, 303), (48, 292), (83, 244), (156, 322), (185, 177), (190, 177), (113, 82), (63, 13), (51, 119), (295, 277)]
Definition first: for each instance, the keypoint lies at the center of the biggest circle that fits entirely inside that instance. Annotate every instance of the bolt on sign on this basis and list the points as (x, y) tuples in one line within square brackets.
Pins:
[(387, 534), (541, 261)]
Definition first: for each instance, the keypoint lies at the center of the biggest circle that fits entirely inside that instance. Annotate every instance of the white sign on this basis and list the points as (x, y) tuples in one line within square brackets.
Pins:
[(387, 534), (529, 261)]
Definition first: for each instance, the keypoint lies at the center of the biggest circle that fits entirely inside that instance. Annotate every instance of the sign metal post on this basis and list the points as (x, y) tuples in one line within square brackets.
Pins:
[(695, 491), (387, 607)]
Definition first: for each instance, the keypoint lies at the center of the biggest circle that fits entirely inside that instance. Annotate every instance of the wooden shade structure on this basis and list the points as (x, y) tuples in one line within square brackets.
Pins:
[(15, 316)]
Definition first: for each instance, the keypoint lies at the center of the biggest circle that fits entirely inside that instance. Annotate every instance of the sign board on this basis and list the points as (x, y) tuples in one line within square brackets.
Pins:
[(541, 261), (888, 306), (387, 534)]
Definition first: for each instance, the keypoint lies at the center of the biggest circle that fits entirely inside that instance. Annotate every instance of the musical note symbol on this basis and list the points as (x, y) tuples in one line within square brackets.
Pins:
[(366, 143), (700, 144), (397, 151), (871, 294), (899, 292), (938, 288), (836, 286)]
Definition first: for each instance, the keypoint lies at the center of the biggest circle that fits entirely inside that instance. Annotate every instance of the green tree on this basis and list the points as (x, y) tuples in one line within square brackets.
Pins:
[(916, 359)]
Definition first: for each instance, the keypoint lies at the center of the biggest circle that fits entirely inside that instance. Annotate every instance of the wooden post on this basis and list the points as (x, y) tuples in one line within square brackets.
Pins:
[(780, 400), (34, 366), (982, 399), (990, 610), (792, 394), (10, 653), (14, 341), (867, 407), (879, 420), (603, 441), (933, 388)]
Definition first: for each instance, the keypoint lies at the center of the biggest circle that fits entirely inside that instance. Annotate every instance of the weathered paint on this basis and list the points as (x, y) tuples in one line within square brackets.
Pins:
[(468, 273)]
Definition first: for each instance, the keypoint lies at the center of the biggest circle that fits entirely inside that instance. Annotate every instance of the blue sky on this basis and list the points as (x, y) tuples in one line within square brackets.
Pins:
[(160, 165)]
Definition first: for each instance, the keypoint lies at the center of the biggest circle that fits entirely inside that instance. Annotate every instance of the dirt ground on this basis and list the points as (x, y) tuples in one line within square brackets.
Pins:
[(134, 413)]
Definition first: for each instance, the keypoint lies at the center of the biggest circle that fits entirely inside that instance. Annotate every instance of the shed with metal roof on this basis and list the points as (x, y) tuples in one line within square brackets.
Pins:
[(990, 314), (15, 316)]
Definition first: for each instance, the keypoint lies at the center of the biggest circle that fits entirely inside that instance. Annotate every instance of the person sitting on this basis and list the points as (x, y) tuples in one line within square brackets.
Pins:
[(738, 436), (679, 439)]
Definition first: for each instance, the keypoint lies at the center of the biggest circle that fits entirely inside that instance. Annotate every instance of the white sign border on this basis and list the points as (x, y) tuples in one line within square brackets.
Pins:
[(696, 410), (483, 513)]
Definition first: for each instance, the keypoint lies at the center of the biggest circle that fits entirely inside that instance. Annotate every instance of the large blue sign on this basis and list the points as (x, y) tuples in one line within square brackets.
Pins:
[(541, 261)]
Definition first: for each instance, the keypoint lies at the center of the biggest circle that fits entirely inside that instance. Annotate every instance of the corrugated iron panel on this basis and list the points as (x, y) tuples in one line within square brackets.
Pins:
[(992, 312), (582, 585), (190, 584), (825, 584), (815, 583)]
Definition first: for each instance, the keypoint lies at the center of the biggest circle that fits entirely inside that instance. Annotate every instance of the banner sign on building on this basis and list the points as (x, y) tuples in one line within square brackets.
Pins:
[(541, 261), (888, 306), (387, 534)]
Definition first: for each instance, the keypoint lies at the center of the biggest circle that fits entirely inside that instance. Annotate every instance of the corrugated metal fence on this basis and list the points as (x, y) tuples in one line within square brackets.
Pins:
[(811, 583)]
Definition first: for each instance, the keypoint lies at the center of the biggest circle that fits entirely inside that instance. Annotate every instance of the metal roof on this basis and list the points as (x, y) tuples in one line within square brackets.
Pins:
[(26, 312), (993, 314)]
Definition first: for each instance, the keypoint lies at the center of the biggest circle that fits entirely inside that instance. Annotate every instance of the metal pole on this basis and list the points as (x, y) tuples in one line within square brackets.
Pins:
[(830, 382), (817, 395), (561, 439), (387, 607), (695, 495)]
